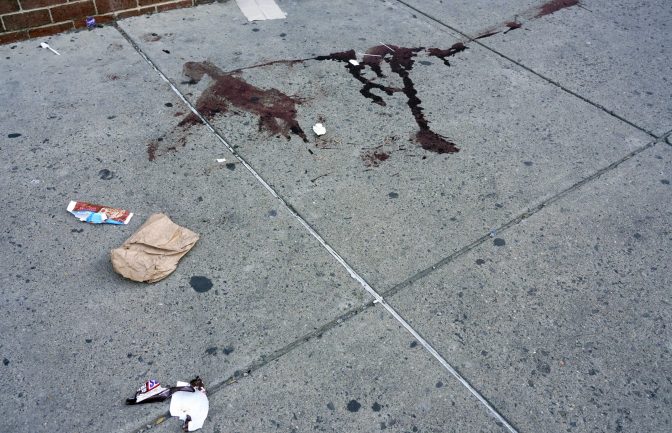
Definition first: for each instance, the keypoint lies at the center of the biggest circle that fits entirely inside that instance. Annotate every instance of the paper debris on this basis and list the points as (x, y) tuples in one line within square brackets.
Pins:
[(152, 253), (152, 392), (353, 62), (259, 10), (220, 159), (319, 129), (97, 214), (190, 407), (46, 45)]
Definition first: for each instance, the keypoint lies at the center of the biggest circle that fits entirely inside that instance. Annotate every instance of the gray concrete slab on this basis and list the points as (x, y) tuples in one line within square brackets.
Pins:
[(566, 326), (75, 338), (367, 375), (521, 139), (615, 53), (473, 17)]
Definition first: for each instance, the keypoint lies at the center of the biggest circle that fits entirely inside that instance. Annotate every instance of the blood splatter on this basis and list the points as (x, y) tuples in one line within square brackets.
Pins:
[(373, 158), (554, 6), (444, 54), (276, 111), (400, 61), (487, 34), (512, 25)]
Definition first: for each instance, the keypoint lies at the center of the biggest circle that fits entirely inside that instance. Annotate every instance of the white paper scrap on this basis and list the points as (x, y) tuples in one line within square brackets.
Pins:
[(259, 10), (319, 129), (195, 404), (353, 62), (46, 45), (220, 159)]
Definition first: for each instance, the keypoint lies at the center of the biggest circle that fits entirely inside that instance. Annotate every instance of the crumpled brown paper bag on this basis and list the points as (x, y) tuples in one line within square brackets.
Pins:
[(152, 253)]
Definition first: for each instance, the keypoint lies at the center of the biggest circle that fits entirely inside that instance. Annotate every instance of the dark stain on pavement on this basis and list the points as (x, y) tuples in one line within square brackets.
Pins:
[(5, 361), (200, 284), (372, 158), (353, 406), (499, 242), (376, 407), (400, 61), (512, 25), (276, 111), (14, 135), (106, 174), (213, 350), (554, 6)]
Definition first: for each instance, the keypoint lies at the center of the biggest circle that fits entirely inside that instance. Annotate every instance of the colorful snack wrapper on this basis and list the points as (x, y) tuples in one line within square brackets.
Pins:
[(152, 392), (97, 214)]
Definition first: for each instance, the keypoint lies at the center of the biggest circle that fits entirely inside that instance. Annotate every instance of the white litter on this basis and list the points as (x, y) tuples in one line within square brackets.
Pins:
[(353, 62), (319, 128), (46, 45), (220, 159), (195, 405), (259, 10)]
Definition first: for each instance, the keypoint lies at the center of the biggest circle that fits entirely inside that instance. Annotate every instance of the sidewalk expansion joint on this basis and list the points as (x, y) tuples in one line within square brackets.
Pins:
[(471, 39), (523, 216), (377, 298)]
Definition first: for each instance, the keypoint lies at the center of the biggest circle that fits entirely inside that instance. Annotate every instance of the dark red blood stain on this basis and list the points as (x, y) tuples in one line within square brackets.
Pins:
[(554, 6), (373, 62), (276, 111), (373, 158), (444, 54), (400, 61), (151, 150), (487, 34), (512, 25)]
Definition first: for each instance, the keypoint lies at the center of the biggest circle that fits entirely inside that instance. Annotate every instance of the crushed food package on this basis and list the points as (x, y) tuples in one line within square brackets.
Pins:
[(191, 407), (97, 214), (152, 392), (152, 252)]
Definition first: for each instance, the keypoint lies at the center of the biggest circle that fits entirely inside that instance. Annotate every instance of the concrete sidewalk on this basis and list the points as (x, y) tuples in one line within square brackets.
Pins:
[(480, 242)]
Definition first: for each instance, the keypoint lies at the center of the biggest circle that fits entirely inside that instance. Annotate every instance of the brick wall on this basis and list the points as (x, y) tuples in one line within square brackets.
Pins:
[(23, 19)]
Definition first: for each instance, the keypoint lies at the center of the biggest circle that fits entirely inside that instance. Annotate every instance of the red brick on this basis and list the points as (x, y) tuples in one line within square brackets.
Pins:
[(6, 38), (105, 6), (100, 19), (7, 6), (34, 4), (136, 12), (150, 2), (27, 19), (73, 11), (50, 30), (176, 5)]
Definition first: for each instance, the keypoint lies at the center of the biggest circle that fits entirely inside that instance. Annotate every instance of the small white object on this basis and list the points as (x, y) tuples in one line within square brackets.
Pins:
[(195, 404), (388, 47), (353, 62), (319, 128), (46, 45), (259, 10), (220, 159)]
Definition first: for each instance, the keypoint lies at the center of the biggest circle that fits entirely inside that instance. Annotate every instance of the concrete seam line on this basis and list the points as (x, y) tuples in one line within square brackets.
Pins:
[(525, 215), (334, 254), (529, 69)]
